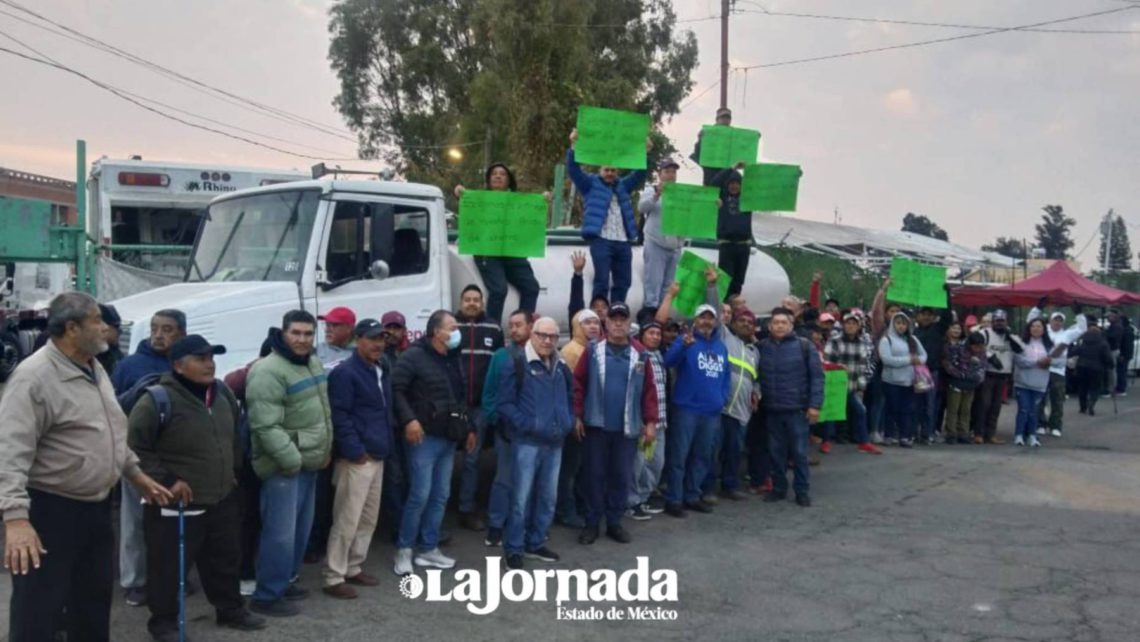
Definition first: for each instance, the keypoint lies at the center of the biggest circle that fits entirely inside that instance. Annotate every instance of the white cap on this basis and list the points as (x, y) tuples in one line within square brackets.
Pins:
[(704, 307)]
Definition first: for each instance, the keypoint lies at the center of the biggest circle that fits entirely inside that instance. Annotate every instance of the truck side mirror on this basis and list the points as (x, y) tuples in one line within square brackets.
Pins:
[(379, 270)]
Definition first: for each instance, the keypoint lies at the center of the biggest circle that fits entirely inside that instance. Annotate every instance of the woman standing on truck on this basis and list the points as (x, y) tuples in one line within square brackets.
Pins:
[(498, 271)]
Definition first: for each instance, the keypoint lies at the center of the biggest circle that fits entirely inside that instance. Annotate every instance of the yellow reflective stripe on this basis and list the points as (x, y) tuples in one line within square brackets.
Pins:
[(744, 365)]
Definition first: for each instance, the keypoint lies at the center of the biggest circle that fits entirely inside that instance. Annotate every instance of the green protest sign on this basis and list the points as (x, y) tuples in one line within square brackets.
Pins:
[(917, 284), (770, 188), (726, 146), (611, 137), (834, 396), (691, 275), (689, 210), (495, 223)]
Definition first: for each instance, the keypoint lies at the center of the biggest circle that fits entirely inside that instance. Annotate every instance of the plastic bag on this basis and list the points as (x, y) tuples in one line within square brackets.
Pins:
[(923, 380)]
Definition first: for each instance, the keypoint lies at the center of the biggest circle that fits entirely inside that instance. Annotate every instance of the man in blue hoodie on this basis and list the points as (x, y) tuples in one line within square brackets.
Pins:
[(360, 393), (534, 406), (607, 222), (791, 383), (166, 328), (702, 387)]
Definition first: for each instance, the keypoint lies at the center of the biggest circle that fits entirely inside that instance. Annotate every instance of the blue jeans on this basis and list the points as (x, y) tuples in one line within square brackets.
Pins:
[(788, 438), (534, 491), (1027, 402), (759, 459), (499, 506), (731, 445), (287, 505), (132, 544), (429, 474), (660, 266), (900, 408), (611, 257), (857, 417), (469, 477), (647, 472), (690, 454)]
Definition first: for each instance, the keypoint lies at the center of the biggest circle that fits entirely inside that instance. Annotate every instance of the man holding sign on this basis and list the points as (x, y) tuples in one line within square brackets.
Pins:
[(498, 271), (733, 228), (607, 222), (662, 251), (723, 119)]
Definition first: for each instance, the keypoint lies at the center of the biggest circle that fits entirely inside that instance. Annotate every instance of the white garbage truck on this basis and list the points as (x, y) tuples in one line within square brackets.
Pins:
[(372, 246)]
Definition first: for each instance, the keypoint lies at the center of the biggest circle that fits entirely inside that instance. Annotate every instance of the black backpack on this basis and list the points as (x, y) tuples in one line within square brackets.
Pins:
[(148, 385)]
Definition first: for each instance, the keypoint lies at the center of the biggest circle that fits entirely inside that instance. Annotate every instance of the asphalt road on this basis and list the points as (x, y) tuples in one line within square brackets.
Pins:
[(939, 543)]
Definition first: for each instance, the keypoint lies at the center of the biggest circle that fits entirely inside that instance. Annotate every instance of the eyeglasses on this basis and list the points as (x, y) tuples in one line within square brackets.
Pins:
[(546, 336)]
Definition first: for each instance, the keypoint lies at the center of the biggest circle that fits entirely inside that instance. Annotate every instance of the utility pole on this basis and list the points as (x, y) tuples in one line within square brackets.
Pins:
[(724, 9), (487, 149), (1107, 226)]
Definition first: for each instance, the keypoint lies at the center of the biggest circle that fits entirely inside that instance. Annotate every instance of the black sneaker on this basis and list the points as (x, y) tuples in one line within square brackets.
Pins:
[(514, 561), (699, 506), (494, 537), (588, 536), (964, 440), (803, 500), (675, 510), (775, 497), (295, 593), (656, 504), (242, 620), (906, 443), (618, 534), (950, 441), (638, 513), (542, 554), (136, 596), (280, 608)]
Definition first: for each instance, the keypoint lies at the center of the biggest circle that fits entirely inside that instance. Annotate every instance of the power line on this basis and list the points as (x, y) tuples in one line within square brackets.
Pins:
[(944, 25), (198, 85), (705, 91), (920, 43), (172, 107)]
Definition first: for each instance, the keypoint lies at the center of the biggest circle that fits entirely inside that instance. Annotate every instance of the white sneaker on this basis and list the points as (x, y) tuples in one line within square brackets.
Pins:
[(1056, 433), (403, 564), (1042, 431), (877, 438), (1019, 441), (434, 558), (248, 587), (1033, 441)]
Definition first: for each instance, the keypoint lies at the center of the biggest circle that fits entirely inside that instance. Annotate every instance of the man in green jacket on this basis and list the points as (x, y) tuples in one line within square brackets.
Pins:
[(185, 433), (290, 422)]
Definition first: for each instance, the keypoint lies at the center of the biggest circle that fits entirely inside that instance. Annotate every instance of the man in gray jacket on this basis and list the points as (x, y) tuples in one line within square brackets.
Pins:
[(63, 446), (662, 252)]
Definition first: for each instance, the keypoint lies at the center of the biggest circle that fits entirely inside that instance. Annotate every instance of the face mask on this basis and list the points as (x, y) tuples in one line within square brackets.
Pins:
[(453, 339)]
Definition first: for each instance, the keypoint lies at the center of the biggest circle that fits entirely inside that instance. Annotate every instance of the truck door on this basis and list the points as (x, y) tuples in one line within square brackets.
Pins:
[(398, 232)]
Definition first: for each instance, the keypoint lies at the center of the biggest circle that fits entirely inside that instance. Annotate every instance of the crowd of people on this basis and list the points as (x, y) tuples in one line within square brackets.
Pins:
[(300, 455)]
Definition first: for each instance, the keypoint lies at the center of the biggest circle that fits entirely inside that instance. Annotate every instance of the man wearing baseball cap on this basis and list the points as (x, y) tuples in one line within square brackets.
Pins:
[(699, 395), (360, 393), (397, 329), (1000, 346), (339, 323), (724, 119), (185, 432), (662, 251)]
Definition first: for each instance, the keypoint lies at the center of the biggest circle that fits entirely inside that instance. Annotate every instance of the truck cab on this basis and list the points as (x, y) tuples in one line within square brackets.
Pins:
[(310, 244)]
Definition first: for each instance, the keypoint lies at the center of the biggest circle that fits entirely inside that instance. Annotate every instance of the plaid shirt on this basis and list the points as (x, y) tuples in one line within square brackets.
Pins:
[(855, 356)]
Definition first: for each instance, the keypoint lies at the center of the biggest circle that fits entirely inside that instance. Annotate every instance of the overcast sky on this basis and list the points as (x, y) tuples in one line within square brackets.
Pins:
[(977, 134)]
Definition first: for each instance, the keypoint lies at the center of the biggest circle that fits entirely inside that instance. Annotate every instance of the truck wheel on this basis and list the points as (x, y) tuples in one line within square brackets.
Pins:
[(10, 354)]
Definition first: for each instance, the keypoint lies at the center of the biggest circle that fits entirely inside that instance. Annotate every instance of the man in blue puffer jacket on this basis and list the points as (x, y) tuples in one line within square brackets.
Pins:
[(791, 383), (360, 393), (537, 414), (607, 222)]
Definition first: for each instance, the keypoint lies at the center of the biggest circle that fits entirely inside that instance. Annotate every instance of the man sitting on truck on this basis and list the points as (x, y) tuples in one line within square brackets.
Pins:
[(166, 328), (608, 224), (480, 337)]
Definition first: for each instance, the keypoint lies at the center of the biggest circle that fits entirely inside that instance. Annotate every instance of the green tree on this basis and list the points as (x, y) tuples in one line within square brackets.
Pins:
[(1120, 257), (1010, 247), (1053, 233), (920, 224), (416, 75)]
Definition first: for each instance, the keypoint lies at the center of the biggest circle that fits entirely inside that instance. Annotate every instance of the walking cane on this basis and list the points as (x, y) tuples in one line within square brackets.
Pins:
[(181, 571)]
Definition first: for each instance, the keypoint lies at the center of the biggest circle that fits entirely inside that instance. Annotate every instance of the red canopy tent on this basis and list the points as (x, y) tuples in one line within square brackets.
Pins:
[(1060, 283)]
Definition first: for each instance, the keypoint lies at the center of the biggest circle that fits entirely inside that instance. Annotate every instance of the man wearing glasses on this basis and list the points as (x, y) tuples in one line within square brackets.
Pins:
[(534, 397)]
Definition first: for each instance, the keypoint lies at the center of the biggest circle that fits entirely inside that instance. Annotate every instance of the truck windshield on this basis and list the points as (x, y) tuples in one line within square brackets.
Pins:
[(262, 237)]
